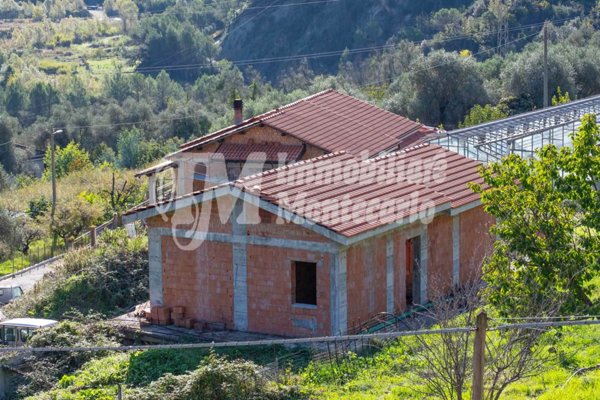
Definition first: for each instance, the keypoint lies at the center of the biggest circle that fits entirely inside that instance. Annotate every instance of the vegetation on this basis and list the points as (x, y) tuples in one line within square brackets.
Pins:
[(213, 378), (548, 218), (107, 280), (42, 371)]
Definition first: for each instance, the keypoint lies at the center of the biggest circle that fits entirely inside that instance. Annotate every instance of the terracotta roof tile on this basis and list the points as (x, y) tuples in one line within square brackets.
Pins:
[(333, 122), (350, 196), (260, 152)]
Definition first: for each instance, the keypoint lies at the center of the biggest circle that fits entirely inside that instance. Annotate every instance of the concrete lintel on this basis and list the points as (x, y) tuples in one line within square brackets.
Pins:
[(466, 207), (252, 240)]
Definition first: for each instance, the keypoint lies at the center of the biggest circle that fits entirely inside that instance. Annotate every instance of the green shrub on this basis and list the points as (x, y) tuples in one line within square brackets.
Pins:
[(43, 370), (108, 280), (218, 379)]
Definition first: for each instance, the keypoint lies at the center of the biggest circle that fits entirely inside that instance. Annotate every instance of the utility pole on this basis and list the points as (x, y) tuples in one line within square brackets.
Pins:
[(479, 356), (53, 169), (546, 100)]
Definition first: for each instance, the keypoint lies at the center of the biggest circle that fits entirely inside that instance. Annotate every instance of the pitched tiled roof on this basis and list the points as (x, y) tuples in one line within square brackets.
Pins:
[(260, 152), (333, 122), (350, 196)]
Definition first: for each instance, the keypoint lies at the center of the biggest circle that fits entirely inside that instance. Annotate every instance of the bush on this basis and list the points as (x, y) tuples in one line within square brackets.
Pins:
[(108, 280), (69, 159), (217, 379), (44, 369)]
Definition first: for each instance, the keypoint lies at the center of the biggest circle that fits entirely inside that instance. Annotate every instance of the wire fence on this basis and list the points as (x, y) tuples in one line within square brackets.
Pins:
[(45, 250), (339, 357)]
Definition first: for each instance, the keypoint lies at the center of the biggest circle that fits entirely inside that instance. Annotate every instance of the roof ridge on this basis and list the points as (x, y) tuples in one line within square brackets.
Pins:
[(402, 151), (380, 108), (291, 166), (280, 110), (259, 117)]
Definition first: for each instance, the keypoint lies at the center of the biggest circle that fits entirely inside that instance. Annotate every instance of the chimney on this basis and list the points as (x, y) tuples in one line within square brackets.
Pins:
[(238, 111)]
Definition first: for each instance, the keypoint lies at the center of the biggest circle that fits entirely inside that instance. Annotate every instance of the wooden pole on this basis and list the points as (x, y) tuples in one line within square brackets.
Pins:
[(92, 236), (479, 356), (546, 89)]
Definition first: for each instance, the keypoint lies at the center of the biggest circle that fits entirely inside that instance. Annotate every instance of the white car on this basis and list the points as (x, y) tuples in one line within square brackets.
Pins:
[(15, 332)]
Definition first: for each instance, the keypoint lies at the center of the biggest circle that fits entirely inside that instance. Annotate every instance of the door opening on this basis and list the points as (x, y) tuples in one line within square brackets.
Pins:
[(413, 261)]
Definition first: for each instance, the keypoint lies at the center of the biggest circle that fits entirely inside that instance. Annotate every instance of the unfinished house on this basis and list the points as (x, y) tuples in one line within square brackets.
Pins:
[(321, 245), (320, 124)]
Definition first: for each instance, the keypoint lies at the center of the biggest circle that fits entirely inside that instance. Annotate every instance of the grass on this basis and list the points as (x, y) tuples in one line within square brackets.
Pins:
[(39, 250), (390, 374), (92, 181)]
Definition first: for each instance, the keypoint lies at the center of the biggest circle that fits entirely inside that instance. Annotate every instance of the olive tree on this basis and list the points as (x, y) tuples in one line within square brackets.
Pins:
[(438, 89)]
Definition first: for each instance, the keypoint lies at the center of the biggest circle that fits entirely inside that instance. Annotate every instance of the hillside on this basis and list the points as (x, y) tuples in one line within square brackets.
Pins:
[(280, 29), (270, 29)]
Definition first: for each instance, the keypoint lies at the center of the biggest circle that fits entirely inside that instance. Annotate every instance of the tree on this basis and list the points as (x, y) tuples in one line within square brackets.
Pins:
[(133, 151), (168, 40), (7, 155), (15, 97), (17, 232), (68, 159), (479, 115), (525, 75), (439, 89), (560, 97), (548, 218), (41, 98), (6, 181), (74, 217), (128, 11)]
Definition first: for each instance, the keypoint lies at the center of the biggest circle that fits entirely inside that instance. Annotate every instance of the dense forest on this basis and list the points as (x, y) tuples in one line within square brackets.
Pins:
[(158, 72)]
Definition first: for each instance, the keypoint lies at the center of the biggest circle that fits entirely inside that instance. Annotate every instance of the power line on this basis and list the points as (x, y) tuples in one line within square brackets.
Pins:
[(180, 67), (442, 64), (233, 30), (256, 61), (194, 115), (315, 55), (174, 12)]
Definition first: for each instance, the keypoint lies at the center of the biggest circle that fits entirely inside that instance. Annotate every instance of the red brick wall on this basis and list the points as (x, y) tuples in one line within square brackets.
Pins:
[(366, 266), (475, 242), (270, 303), (195, 217), (200, 280), (439, 268)]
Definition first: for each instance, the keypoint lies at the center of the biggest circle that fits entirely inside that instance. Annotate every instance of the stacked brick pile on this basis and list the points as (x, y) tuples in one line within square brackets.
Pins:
[(176, 316)]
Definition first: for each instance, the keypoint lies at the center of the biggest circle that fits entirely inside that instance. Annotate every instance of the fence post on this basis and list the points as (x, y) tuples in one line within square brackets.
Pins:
[(92, 236), (479, 356)]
